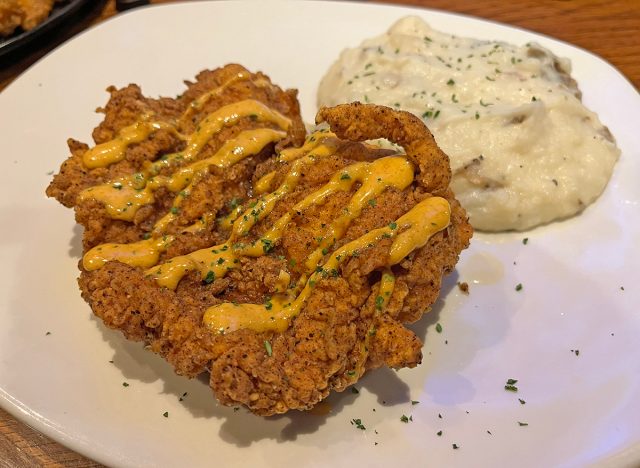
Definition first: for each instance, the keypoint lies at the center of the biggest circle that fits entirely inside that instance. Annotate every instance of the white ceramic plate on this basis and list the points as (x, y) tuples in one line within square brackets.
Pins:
[(581, 410)]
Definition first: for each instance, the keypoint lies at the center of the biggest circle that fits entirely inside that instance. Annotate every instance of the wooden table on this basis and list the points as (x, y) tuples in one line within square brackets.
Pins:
[(609, 28)]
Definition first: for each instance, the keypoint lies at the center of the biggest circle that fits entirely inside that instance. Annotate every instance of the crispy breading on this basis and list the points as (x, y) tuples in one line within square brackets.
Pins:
[(10, 16), (125, 106), (26, 14), (35, 12), (342, 330)]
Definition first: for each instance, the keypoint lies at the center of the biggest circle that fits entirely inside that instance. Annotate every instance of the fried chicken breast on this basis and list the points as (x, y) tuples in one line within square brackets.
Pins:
[(285, 268)]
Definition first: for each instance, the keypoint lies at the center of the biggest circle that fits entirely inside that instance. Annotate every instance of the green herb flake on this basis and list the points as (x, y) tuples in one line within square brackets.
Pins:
[(345, 176), (379, 302), (358, 424), (354, 390), (210, 278), (165, 414), (267, 245), (174, 210), (519, 287), (522, 424), (522, 402), (393, 225), (414, 402), (125, 384), (267, 346), (439, 433), (404, 419), (511, 385), (450, 82), (455, 446), (438, 327), (525, 241), (373, 202)]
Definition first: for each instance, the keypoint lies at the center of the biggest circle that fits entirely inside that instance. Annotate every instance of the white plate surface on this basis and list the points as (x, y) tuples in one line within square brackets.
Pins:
[(581, 410)]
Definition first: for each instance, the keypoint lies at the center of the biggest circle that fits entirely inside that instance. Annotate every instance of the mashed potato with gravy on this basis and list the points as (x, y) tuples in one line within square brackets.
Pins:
[(524, 150)]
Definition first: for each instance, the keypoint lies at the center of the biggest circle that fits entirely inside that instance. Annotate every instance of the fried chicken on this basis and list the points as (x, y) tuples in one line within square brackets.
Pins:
[(23, 13), (318, 255)]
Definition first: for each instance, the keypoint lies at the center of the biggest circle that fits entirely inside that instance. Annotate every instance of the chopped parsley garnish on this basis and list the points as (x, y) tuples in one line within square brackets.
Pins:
[(405, 419), (125, 384), (525, 241), (519, 287), (522, 402), (438, 327), (379, 302), (267, 346), (511, 385), (174, 210), (439, 433), (451, 82), (393, 225), (345, 176), (372, 202), (165, 414), (414, 402), (210, 278), (455, 446), (522, 424), (358, 424), (267, 245)]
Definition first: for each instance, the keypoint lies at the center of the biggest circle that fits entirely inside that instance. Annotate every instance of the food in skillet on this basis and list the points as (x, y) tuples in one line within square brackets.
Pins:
[(25, 14), (284, 266)]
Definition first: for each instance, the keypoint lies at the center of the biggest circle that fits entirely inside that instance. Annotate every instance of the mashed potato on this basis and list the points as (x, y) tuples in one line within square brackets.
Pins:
[(523, 148)]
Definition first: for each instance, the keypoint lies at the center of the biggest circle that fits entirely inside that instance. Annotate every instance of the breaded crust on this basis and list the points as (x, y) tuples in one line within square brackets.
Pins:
[(342, 330)]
